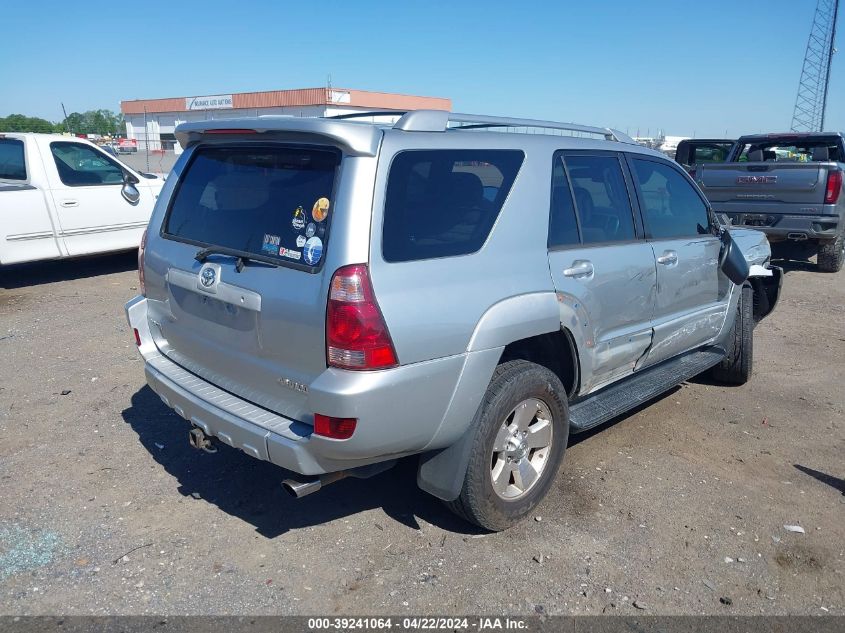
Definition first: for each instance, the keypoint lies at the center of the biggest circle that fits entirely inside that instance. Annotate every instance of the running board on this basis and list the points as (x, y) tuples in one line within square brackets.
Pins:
[(640, 387)]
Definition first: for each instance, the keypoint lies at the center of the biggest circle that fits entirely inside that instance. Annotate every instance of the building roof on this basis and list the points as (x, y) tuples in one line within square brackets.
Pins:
[(294, 98)]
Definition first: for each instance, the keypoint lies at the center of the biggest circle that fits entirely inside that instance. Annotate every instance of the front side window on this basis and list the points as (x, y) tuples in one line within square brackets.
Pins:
[(671, 206), (601, 198), (12, 164), (273, 202), (79, 165), (443, 203)]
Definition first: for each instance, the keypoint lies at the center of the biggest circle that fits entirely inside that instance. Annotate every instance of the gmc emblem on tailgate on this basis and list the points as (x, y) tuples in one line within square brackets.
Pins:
[(756, 180)]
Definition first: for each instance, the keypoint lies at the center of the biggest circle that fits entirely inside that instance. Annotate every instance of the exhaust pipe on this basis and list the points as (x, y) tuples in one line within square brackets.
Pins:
[(199, 440), (299, 489)]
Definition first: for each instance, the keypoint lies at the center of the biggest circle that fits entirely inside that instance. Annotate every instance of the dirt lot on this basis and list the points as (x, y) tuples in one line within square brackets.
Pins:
[(677, 509)]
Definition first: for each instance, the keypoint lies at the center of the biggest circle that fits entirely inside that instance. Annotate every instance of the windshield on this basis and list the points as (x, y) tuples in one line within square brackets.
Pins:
[(272, 202)]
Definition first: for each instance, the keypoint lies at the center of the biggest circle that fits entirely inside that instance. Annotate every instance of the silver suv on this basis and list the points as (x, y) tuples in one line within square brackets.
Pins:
[(331, 295)]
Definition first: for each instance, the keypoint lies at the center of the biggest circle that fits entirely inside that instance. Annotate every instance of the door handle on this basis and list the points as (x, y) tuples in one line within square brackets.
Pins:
[(69, 203), (668, 258), (580, 268)]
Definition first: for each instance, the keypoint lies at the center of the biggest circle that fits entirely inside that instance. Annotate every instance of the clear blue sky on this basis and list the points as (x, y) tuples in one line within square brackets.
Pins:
[(689, 67)]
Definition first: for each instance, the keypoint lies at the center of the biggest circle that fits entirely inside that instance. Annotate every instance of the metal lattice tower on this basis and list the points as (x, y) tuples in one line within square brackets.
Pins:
[(811, 102)]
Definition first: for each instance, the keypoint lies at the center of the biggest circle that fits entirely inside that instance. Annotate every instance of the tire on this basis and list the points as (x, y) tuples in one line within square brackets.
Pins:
[(516, 386), (736, 367), (831, 255)]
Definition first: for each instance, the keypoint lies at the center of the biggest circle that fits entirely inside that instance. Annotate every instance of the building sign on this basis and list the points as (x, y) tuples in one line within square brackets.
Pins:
[(339, 96), (214, 102)]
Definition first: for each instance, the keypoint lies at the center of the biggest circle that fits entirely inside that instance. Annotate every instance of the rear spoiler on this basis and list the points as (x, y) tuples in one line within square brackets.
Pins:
[(353, 138)]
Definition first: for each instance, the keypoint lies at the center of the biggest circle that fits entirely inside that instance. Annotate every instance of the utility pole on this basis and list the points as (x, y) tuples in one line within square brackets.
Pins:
[(65, 113), (146, 139)]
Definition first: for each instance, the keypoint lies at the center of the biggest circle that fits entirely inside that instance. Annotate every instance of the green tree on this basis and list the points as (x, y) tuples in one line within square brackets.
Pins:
[(23, 123), (104, 122)]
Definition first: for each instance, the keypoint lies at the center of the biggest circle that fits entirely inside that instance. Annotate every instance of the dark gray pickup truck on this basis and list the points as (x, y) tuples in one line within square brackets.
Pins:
[(789, 186)]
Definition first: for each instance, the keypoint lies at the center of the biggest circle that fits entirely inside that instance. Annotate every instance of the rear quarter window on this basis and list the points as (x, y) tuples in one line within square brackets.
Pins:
[(12, 163), (270, 202), (443, 203)]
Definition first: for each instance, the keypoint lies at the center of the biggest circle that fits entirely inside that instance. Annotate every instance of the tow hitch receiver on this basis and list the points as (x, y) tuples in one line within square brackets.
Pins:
[(201, 441)]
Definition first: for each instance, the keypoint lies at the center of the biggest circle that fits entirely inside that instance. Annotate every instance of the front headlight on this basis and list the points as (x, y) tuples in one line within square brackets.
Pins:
[(758, 253)]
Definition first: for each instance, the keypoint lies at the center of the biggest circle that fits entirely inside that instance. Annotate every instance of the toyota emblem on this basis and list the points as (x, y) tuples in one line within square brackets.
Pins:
[(208, 277)]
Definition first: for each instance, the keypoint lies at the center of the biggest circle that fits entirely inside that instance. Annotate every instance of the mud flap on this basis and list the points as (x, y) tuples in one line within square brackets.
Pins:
[(441, 473), (766, 292)]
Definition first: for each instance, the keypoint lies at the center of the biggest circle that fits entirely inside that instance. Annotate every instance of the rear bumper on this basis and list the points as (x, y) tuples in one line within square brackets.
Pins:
[(400, 411), (784, 226)]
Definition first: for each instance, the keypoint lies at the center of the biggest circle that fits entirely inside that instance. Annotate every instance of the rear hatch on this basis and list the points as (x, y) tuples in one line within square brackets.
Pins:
[(751, 185), (250, 316)]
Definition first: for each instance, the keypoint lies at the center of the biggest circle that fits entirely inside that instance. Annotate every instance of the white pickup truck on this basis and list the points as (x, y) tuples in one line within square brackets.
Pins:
[(62, 196)]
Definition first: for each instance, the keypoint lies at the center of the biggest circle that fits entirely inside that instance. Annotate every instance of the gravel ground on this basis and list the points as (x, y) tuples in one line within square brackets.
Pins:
[(678, 508)]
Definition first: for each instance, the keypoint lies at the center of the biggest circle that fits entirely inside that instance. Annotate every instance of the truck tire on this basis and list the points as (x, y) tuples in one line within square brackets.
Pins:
[(831, 255), (736, 367), (521, 432)]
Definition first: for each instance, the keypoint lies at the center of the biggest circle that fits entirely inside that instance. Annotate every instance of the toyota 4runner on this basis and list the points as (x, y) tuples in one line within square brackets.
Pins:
[(332, 295)]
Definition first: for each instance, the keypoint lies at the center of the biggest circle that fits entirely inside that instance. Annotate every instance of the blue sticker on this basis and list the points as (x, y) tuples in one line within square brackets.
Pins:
[(271, 244), (313, 251), (310, 229)]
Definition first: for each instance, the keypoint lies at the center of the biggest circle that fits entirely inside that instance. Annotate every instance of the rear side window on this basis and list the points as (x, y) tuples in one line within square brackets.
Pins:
[(273, 202), (601, 198), (563, 228), (12, 164), (443, 203), (710, 153)]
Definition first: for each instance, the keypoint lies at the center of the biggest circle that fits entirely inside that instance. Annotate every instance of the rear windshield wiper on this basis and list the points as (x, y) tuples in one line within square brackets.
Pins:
[(240, 257)]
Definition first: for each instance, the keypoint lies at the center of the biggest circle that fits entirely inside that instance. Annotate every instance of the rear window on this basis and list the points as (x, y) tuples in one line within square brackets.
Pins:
[(792, 150), (443, 203), (12, 165), (271, 202)]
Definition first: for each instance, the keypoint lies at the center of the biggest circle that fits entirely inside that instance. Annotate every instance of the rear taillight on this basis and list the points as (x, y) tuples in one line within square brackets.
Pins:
[(356, 334), (834, 186), (141, 281), (335, 428)]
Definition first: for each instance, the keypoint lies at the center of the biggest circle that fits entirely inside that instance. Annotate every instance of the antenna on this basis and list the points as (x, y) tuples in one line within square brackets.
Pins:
[(811, 101)]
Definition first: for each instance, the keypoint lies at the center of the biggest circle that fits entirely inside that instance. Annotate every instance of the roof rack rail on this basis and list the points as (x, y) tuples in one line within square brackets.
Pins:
[(364, 114), (439, 120)]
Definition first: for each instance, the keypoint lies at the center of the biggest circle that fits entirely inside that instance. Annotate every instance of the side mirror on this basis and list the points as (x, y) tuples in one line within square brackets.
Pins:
[(129, 191), (731, 260)]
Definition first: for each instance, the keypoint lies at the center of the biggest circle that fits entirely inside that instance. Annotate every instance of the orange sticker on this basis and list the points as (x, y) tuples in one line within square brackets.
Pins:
[(321, 210)]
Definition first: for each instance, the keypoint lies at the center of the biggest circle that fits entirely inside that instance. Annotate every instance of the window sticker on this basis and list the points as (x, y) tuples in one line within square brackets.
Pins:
[(321, 210), (300, 241), (271, 244), (310, 229), (286, 252), (313, 251), (298, 221)]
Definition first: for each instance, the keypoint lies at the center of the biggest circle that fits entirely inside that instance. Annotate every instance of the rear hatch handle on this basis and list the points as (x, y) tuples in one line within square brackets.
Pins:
[(220, 290)]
